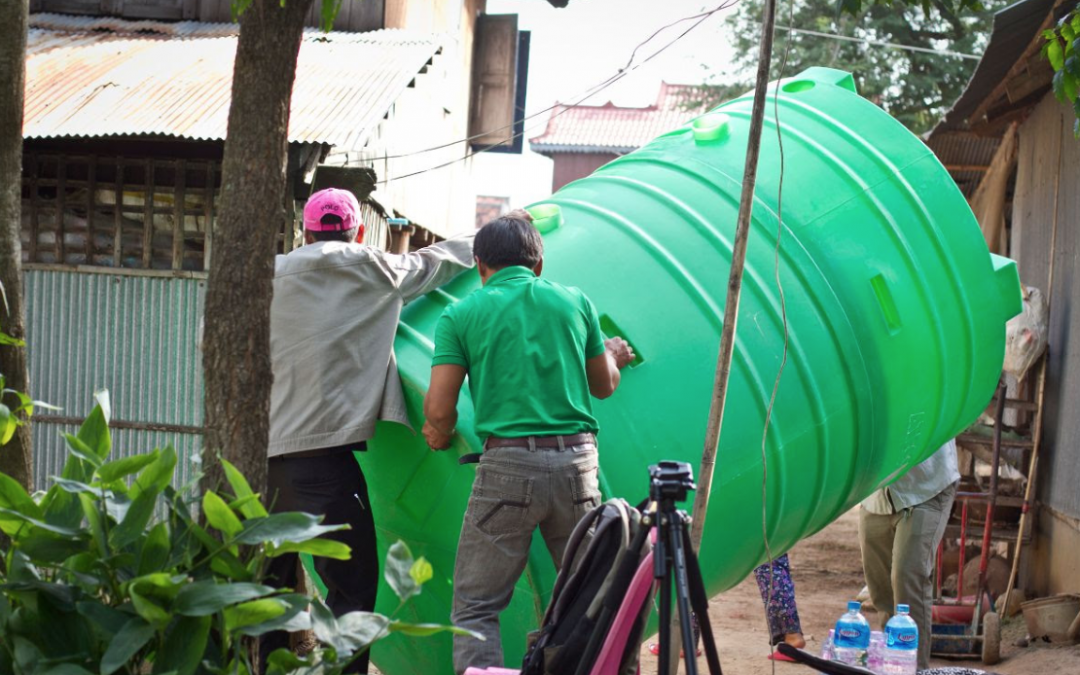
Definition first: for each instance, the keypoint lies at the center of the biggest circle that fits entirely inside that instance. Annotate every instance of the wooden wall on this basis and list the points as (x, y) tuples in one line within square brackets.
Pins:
[(570, 166)]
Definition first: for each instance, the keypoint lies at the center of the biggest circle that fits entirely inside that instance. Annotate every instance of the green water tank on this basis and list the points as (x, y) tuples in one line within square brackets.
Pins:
[(896, 318)]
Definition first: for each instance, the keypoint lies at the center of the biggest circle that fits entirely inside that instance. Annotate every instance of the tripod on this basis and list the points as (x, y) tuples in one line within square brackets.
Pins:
[(675, 566)]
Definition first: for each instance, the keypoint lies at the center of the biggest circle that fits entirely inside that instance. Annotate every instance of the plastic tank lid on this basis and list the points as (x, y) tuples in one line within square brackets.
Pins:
[(903, 609), (854, 605)]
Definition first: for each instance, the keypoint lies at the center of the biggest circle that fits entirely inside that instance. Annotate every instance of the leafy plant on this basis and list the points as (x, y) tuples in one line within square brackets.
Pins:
[(1062, 49), (110, 571), (11, 418)]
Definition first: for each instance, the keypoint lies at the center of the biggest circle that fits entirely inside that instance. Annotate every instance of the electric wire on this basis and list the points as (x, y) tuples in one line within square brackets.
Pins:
[(623, 72), (783, 315), (880, 43)]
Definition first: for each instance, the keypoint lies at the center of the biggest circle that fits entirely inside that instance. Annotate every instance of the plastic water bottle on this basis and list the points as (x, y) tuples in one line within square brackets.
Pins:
[(851, 641), (875, 656), (901, 644)]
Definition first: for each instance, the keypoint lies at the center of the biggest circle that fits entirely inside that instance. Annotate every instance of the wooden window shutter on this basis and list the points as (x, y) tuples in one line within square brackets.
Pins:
[(494, 87)]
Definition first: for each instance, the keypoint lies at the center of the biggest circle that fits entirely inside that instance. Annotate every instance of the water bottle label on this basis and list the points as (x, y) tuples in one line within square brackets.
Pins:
[(902, 639), (852, 636)]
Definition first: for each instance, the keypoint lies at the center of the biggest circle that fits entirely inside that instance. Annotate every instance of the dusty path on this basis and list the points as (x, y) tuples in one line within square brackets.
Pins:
[(827, 573)]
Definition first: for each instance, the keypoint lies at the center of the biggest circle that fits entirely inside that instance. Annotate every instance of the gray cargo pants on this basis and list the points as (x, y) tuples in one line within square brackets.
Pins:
[(516, 490), (898, 552)]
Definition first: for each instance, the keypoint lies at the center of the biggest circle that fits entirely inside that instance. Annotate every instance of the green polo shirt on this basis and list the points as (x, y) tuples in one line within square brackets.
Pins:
[(524, 341)]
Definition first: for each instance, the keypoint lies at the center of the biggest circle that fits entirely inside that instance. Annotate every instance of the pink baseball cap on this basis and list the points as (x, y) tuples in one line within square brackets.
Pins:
[(332, 201)]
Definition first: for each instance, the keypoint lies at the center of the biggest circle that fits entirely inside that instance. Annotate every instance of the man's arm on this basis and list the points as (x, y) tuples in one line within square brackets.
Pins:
[(415, 274), (440, 405), (603, 371)]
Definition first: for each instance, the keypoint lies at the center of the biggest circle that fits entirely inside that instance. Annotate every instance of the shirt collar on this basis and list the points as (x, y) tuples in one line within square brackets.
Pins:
[(509, 273)]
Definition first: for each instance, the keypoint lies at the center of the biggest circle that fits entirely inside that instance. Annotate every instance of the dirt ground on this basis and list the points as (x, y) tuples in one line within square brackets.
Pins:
[(827, 573)]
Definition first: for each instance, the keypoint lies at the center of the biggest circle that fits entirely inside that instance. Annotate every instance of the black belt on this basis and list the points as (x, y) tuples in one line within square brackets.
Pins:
[(523, 441)]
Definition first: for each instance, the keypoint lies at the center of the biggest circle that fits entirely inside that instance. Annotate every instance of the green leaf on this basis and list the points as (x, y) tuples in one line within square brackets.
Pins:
[(46, 547), (64, 669), (110, 621), (156, 475), (278, 528), (1049, 34), (361, 629), (294, 619), (421, 571), (155, 550), (426, 629), (6, 339), (323, 548), (8, 424), (13, 496), (283, 660), (125, 644), (94, 433), (220, 516), (75, 487), (1059, 86), (399, 563), (1075, 22), (82, 450), (1070, 85), (184, 647), (242, 490), (146, 592), (26, 654), (135, 521), (1067, 33), (125, 466), (1072, 67), (253, 612), (16, 516), (1056, 53), (203, 598), (330, 9)]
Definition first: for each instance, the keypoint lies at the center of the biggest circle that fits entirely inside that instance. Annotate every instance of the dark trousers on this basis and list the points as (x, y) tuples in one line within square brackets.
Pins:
[(331, 485)]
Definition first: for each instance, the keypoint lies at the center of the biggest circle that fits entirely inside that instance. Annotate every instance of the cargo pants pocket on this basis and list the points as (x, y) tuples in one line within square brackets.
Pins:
[(500, 501)]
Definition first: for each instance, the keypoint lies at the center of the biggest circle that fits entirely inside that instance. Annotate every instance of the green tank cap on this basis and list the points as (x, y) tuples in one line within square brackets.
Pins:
[(821, 76), (711, 127), (546, 217)]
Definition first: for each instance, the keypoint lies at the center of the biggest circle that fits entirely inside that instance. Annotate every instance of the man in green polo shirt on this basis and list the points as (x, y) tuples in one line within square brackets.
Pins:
[(534, 355)]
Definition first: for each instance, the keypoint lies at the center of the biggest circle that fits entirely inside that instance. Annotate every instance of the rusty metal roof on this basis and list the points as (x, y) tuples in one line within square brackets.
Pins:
[(611, 128), (92, 77)]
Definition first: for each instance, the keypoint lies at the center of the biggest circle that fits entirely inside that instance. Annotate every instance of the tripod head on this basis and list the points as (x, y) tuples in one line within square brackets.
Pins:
[(670, 481)]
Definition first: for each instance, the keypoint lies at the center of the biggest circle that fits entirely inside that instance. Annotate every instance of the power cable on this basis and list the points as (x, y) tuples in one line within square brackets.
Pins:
[(783, 314), (623, 72), (591, 91), (880, 43)]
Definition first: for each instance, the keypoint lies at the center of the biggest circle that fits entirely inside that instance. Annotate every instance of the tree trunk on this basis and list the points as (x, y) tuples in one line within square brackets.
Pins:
[(236, 345), (15, 458)]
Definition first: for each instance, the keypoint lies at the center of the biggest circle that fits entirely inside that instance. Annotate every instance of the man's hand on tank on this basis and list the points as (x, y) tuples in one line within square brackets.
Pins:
[(436, 439), (620, 350)]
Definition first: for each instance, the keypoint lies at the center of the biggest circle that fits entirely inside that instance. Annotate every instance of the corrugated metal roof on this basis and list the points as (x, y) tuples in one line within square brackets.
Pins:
[(612, 128), (90, 76), (1014, 29)]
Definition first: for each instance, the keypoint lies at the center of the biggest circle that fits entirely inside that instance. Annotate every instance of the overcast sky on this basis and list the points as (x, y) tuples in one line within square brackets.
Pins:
[(576, 48)]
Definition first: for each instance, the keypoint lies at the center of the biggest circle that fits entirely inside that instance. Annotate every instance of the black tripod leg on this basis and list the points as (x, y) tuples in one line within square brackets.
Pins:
[(682, 597), (662, 569), (700, 602)]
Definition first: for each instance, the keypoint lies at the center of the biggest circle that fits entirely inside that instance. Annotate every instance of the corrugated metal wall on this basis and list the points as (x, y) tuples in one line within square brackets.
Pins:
[(1049, 161), (133, 335)]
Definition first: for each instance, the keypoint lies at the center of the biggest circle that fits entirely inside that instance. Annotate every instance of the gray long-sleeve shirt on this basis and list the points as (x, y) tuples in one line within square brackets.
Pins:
[(332, 324)]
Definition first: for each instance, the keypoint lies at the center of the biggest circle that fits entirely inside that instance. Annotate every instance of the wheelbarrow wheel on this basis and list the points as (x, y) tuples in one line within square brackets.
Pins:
[(991, 642)]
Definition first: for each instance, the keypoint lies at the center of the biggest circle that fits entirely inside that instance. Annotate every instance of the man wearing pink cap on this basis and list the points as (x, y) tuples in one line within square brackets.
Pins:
[(332, 324)]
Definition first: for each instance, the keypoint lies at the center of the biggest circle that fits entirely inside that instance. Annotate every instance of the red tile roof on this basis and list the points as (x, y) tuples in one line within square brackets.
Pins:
[(611, 128)]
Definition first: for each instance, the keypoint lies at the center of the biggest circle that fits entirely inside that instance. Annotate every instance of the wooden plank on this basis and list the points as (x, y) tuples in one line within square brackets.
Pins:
[(178, 216), (91, 186), (190, 9), (118, 214), (148, 213), (215, 11), (491, 118), (126, 272), (967, 167), (32, 161), (61, 175)]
